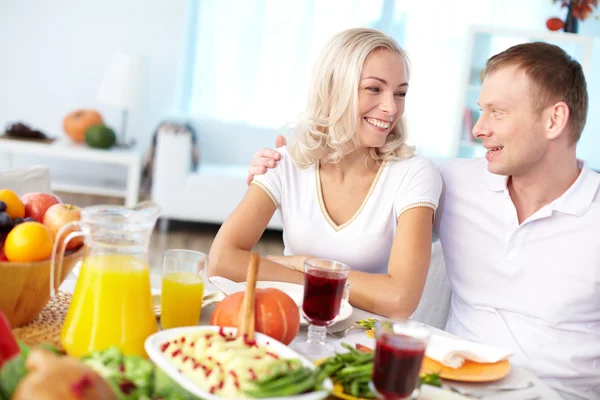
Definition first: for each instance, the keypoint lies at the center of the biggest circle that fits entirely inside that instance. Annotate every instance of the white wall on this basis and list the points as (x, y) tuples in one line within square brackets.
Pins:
[(53, 55)]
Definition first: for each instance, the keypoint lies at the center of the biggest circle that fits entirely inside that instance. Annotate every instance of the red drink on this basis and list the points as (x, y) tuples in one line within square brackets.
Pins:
[(323, 292), (397, 364)]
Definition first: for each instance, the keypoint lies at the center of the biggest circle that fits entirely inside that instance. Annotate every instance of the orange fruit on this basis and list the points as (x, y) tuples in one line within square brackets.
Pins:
[(28, 242), (14, 207)]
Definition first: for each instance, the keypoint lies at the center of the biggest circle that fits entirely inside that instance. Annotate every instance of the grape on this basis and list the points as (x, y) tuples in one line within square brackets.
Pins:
[(18, 221), (3, 206), (6, 223), (30, 219)]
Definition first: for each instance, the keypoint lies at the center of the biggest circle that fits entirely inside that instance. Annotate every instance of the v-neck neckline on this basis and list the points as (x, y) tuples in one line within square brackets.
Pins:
[(324, 211)]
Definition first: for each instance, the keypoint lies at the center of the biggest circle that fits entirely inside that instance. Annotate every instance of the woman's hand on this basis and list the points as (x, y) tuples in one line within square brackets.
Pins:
[(293, 262)]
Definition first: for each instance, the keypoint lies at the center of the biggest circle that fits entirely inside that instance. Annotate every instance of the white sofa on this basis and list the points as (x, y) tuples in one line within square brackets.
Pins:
[(211, 191)]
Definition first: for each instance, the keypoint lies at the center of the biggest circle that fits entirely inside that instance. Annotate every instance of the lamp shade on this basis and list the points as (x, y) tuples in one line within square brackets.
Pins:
[(122, 84)]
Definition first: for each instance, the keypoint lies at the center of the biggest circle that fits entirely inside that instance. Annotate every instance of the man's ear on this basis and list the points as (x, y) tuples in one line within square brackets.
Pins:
[(558, 118)]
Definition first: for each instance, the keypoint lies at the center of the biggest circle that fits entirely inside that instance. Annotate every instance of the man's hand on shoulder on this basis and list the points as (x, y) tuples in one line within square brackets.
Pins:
[(265, 158)]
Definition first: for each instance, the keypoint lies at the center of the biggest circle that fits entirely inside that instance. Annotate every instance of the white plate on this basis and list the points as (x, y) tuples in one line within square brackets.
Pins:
[(153, 343), (296, 292)]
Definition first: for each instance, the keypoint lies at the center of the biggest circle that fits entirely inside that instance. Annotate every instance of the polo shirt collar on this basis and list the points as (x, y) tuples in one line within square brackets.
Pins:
[(575, 201), (494, 182), (578, 198)]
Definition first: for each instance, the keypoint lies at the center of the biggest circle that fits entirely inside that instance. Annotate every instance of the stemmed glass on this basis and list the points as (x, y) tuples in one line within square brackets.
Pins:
[(399, 353), (324, 289)]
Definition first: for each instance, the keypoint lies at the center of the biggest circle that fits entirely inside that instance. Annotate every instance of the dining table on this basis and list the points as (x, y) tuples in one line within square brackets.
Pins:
[(518, 384)]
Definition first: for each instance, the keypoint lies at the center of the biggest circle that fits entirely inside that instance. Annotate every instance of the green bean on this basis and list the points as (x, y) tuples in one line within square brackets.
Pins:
[(297, 387), (350, 348), (293, 377), (356, 369), (328, 371), (354, 389)]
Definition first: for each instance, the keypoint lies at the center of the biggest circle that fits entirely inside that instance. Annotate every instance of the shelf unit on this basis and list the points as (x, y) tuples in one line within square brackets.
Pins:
[(483, 42), (125, 185)]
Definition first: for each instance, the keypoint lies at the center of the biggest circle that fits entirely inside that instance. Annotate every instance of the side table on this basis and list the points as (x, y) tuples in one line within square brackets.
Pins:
[(62, 149)]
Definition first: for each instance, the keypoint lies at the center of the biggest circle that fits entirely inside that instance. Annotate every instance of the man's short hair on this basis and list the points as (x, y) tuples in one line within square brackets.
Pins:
[(555, 76)]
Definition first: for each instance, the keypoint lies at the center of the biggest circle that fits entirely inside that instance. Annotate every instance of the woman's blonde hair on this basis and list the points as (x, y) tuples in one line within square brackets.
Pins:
[(328, 130)]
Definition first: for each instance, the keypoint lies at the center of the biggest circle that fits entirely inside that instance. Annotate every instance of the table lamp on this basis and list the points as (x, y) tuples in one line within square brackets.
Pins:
[(122, 87)]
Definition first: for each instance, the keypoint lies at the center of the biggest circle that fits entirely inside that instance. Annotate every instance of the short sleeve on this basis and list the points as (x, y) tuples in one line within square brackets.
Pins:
[(271, 182), (421, 187)]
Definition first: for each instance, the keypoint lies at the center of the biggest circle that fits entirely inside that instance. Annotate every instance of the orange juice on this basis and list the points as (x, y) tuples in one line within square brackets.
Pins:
[(111, 306), (181, 299)]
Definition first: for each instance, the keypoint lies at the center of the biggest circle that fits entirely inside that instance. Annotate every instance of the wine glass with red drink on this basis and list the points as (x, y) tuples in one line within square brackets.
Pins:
[(324, 289), (399, 353)]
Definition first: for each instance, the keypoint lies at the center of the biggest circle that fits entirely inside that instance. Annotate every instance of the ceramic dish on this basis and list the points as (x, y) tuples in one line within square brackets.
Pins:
[(154, 342)]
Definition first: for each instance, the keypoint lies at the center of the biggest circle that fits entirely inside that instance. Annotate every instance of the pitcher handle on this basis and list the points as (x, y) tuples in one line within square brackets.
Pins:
[(58, 254)]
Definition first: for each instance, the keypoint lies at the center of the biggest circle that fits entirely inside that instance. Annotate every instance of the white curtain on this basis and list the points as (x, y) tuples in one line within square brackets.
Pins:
[(251, 59)]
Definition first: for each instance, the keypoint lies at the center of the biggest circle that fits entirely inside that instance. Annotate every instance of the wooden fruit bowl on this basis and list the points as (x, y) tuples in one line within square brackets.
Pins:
[(25, 286)]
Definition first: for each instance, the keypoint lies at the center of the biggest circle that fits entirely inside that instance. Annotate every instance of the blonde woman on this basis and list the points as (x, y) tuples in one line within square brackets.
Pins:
[(348, 187)]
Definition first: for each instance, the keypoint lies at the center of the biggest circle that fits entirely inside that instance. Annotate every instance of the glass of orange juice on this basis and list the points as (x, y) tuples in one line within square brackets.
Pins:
[(184, 272)]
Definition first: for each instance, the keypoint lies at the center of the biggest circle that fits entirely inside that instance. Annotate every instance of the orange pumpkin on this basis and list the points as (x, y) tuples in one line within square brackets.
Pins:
[(77, 123), (275, 314)]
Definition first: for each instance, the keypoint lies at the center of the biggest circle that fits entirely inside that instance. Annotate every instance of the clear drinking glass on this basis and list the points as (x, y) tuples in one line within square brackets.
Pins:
[(324, 289), (399, 353), (183, 277)]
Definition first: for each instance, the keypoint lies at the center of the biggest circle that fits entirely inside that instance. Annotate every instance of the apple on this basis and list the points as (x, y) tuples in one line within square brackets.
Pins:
[(37, 203), (58, 216)]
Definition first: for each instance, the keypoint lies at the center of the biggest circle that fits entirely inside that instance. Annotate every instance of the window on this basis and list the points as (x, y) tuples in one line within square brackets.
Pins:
[(250, 60)]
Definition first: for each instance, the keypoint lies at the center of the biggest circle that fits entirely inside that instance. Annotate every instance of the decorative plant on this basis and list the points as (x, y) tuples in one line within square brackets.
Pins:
[(578, 10)]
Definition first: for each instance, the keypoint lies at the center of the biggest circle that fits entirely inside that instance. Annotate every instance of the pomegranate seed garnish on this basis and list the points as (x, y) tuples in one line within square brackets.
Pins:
[(252, 374), (176, 353), (164, 346)]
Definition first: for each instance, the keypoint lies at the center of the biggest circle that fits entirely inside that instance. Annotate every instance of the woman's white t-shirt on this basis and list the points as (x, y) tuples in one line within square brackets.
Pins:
[(365, 241)]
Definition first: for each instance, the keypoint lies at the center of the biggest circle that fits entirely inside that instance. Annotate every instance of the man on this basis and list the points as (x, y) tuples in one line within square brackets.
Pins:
[(519, 231)]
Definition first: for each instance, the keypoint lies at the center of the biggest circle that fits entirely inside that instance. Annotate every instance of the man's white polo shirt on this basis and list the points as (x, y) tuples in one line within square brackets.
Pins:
[(533, 288)]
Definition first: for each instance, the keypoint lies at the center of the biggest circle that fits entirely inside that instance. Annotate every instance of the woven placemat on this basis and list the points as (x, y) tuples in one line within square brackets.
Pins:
[(47, 326)]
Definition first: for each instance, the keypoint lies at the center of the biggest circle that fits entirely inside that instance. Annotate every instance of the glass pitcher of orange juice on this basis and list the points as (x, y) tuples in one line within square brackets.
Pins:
[(112, 301)]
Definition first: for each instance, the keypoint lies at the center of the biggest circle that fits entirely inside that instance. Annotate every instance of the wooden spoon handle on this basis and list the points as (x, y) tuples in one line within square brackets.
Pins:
[(247, 316)]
